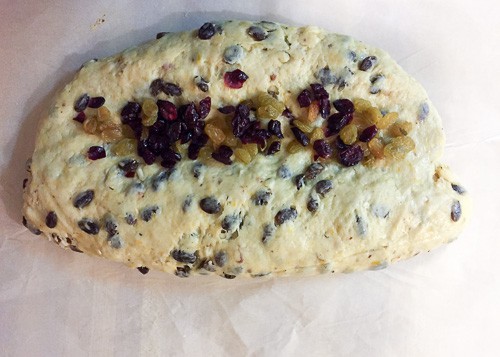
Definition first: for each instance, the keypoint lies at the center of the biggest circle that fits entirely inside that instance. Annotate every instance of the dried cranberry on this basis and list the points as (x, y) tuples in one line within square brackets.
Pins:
[(51, 219), (96, 102), (204, 107), (319, 91), (351, 156), (228, 109), (130, 112), (223, 155), (80, 117), (206, 31), (305, 98), (257, 33), (167, 109), (368, 134), (274, 127), (343, 105), (337, 121), (367, 63), (322, 148), (324, 107), (235, 79), (96, 153), (274, 148), (300, 136), (82, 103)]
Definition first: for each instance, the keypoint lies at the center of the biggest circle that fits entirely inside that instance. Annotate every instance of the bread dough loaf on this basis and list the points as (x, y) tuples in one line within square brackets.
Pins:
[(245, 219)]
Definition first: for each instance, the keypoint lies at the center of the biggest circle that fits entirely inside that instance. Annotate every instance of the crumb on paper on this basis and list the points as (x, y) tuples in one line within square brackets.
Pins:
[(98, 22)]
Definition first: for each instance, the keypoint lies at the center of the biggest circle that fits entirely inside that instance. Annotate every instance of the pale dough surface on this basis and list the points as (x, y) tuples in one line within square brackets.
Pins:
[(404, 207)]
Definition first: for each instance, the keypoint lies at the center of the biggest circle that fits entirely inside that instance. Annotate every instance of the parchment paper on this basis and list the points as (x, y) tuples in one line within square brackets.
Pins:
[(445, 303)]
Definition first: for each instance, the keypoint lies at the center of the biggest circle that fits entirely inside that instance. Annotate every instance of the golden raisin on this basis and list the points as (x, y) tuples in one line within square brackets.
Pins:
[(303, 126), (215, 134), (400, 128), (349, 134), (205, 153), (148, 120), (253, 149), (399, 147), (242, 155), (268, 106), (372, 115), (294, 147), (124, 147), (376, 148), (90, 125), (313, 112), (317, 134), (387, 120), (149, 108), (230, 140), (361, 104), (111, 134), (103, 114), (369, 161), (128, 132)]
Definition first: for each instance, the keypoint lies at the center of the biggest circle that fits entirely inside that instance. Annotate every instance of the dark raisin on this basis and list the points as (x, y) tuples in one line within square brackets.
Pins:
[(301, 137), (80, 117), (235, 79), (229, 276), (143, 151), (206, 31), (228, 109), (323, 187), (223, 155), (313, 171), (183, 256), (96, 153), (368, 134), (284, 172), (149, 212), (337, 121), (51, 219), (322, 148), (367, 63), (324, 107), (230, 222), (89, 226), (166, 109), (83, 199), (82, 103), (351, 156), (204, 107), (170, 158), (319, 92), (274, 127), (156, 86), (312, 205), (233, 54), (340, 145), (130, 112), (220, 258), (286, 214), (129, 167), (143, 270), (326, 76), (210, 205), (171, 89), (183, 272), (262, 197), (458, 189), (96, 102), (305, 98), (343, 105), (257, 33), (268, 233), (274, 148), (299, 181), (32, 229), (456, 211), (130, 219)]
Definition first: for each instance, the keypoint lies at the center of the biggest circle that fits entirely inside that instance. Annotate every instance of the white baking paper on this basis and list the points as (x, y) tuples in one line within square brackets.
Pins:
[(445, 303)]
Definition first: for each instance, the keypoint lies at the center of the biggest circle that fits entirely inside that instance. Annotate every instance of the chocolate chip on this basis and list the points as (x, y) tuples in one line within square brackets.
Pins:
[(262, 197), (313, 171), (230, 222), (32, 229), (198, 167), (83, 199), (160, 35), (160, 178), (89, 226), (299, 181), (233, 54), (51, 219), (323, 187), (458, 189), (206, 31), (110, 225), (115, 241), (367, 63), (229, 276), (361, 225), (183, 272), (423, 111), (456, 211), (286, 214), (220, 258), (25, 182), (202, 84), (149, 212), (183, 256), (257, 33), (130, 219), (143, 270), (82, 103), (210, 205), (312, 204), (284, 172), (268, 232), (74, 248), (326, 77)]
